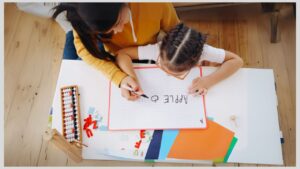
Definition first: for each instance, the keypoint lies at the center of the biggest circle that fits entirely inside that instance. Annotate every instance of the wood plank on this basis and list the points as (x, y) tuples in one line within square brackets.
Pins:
[(112, 163), (229, 36), (173, 164), (51, 155), (287, 29), (211, 28), (23, 98), (15, 54), (31, 101), (268, 165), (203, 165), (10, 25), (247, 165), (206, 27), (249, 48), (226, 164)]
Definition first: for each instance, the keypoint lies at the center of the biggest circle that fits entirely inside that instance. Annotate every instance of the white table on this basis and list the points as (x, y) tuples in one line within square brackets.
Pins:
[(249, 95)]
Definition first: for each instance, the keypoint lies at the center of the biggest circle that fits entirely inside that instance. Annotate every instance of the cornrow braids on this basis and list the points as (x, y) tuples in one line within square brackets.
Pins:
[(182, 48)]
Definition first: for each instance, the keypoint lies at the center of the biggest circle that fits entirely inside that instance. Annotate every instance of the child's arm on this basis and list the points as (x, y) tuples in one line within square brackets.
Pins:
[(231, 64), (124, 61)]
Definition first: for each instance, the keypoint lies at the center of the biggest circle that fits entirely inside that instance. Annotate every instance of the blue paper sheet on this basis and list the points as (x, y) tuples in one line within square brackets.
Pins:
[(153, 150), (167, 141)]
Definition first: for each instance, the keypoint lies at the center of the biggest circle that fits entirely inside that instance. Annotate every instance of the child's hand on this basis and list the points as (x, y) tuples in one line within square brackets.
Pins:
[(133, 84), (199, 86)]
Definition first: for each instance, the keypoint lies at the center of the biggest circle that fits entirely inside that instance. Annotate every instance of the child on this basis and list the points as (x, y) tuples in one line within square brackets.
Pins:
[(180, 50)]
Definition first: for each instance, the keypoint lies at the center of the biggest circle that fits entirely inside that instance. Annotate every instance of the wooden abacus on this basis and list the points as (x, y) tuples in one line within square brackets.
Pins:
[(70, 141), (71, 114)]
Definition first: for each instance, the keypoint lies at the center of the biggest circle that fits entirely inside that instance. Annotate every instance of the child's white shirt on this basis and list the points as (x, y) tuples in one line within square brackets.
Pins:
[(209, 53)]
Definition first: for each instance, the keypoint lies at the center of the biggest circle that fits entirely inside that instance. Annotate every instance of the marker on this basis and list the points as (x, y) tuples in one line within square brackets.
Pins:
[(130, 89)]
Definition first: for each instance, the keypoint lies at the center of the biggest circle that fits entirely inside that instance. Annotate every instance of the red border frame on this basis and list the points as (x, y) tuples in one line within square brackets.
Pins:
[(148, 67)]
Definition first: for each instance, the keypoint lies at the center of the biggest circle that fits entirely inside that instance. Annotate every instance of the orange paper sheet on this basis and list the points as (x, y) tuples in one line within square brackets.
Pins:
[(208, 144)]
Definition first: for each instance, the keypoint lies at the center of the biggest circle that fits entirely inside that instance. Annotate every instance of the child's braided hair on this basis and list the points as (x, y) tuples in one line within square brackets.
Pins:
[(182, 48)]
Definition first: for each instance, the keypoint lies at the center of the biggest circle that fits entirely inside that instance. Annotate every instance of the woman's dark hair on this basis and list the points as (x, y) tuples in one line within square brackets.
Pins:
[(182, 47), (89, 20)]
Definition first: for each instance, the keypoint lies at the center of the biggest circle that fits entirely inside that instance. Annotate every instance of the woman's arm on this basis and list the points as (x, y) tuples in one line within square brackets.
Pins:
[(109, 69), (231, 64)]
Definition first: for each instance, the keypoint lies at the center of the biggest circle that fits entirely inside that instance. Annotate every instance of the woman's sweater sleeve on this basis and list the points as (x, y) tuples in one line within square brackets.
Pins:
[(108, 68), (169, 17)]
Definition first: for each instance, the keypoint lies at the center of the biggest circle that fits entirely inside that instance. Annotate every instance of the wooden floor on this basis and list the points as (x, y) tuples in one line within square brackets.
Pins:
[(33, 53)]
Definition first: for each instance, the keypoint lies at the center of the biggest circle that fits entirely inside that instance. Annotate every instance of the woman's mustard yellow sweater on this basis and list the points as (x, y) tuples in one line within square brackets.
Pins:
[(148, 20)]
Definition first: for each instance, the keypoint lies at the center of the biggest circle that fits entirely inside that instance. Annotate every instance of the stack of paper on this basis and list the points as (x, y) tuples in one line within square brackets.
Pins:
[(214, 144)]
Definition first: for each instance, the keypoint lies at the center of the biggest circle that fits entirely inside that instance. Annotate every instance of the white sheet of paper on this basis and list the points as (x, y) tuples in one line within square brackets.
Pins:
[(250, 96), (234, 87), (265, 132), (169, 105), (125, 147), (120, 144)]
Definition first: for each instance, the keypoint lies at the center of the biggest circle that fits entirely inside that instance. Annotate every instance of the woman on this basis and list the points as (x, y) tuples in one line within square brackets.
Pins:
[(117, 26)]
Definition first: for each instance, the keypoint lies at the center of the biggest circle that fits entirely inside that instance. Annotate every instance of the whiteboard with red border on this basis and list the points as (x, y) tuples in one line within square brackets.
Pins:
[(169, 105)]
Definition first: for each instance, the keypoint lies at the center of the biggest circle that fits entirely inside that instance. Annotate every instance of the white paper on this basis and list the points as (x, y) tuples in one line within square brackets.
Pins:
[(263, 145), (227, 99), (250, 96), (120, 144), (125, 146), (169, 105)]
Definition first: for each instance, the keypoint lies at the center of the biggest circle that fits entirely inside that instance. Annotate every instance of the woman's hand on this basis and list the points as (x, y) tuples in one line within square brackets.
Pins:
[(199, 86), (134, 85)]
